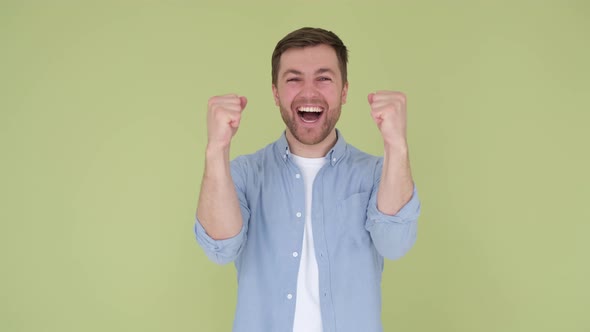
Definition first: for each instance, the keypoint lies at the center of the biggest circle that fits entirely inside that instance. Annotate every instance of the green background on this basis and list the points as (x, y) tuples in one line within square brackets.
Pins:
[(102, 138)]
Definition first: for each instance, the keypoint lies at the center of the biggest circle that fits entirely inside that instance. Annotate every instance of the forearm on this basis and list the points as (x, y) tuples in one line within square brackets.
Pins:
[(218, 209), (396, 186)]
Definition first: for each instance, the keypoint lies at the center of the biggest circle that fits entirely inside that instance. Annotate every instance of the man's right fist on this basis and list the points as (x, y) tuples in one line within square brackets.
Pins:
[(223, 119)]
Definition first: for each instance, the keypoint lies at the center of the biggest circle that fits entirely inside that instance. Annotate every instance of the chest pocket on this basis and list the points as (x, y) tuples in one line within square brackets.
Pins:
[(351, 215)]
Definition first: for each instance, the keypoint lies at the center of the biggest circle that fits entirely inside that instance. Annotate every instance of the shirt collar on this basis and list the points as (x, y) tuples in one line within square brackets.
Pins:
[(334, 155)]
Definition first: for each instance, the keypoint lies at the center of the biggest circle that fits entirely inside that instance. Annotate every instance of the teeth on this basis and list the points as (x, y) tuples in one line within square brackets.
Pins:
[(310, 109)]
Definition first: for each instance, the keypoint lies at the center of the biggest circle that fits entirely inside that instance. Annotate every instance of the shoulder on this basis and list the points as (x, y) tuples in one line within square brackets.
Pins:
[(363, 164), (356, 156), (255, 160)]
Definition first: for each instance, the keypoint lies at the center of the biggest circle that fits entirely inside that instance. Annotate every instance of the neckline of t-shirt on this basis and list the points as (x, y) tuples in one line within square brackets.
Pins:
[(309, 161)]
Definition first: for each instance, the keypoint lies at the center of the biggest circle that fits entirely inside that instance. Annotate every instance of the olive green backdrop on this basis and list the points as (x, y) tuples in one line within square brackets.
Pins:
[(102, 137)]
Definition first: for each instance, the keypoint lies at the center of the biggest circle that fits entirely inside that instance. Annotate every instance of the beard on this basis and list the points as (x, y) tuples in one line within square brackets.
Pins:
[(310, 136)]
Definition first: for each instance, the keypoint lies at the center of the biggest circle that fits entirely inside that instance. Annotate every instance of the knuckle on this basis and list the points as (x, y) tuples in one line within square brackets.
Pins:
[(214, 108)]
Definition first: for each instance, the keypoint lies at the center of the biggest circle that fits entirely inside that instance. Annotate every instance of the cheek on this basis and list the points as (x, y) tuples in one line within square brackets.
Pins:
[(287, 95), (332, 95)]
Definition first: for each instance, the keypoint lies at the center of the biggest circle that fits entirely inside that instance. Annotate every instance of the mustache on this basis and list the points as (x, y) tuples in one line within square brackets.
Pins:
[(302, 101)]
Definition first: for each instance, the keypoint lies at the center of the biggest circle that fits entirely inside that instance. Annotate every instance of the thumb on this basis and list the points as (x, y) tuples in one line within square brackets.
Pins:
[(235, 123), (243, 102), (370, 97)]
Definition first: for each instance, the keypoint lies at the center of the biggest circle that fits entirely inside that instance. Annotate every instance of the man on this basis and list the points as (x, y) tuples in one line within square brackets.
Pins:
[(308, 219)]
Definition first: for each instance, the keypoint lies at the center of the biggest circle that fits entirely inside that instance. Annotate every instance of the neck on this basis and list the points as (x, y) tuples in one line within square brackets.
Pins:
[(317, 150)]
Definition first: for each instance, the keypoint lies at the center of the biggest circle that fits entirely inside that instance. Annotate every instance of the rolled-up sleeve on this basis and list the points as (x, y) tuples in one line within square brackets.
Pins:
[(227, 250), (220, 251), (394, 235)]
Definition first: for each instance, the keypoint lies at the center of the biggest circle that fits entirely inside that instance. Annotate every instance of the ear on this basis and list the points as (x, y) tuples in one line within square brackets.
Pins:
[(344, 93), (275, 94)]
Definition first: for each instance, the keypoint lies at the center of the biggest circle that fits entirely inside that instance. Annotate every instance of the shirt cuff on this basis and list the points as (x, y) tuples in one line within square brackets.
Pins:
[(219, 251), (408, 213)]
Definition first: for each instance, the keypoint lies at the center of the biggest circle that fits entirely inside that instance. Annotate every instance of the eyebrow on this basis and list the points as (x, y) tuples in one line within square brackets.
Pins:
[(325, 70), (317, 72), (291, 71)]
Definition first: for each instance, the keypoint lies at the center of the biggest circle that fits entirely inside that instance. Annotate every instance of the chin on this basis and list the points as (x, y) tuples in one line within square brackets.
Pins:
[(308, 137)]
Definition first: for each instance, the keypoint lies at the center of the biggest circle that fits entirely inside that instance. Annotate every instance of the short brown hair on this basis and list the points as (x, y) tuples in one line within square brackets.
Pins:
[(305, 37)]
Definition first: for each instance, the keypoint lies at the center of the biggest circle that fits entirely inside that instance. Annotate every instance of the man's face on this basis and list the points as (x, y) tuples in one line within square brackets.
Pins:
[(310, 92)]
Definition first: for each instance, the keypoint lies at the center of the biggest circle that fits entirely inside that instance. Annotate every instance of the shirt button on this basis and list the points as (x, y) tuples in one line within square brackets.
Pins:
[(289, 296), (334, 160), (295, 254), (297, 176), (298, 214)]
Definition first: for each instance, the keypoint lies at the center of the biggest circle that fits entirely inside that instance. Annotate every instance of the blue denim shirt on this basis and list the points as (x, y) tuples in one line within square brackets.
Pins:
[(351, 238)]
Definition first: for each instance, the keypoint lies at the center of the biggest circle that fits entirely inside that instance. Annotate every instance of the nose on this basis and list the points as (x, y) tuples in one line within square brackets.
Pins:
[(309, 90)]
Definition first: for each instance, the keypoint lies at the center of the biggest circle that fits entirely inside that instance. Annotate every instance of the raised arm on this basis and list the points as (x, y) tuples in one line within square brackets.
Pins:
[(388, 109), (393, 211), (218, 209)]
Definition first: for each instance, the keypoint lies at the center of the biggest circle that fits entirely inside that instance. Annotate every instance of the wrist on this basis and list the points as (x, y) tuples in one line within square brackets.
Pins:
[(395, 147), (214, 150)]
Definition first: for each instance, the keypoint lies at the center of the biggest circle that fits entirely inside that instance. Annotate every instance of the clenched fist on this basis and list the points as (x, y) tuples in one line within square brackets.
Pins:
[(223, 119), (388, 109)]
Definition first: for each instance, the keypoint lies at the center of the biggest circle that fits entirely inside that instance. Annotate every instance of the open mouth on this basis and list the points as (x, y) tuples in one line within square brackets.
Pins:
[(310, 114)]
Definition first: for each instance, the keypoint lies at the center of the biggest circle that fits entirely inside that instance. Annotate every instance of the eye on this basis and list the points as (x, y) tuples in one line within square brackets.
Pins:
[(293, 79), (324, 78)]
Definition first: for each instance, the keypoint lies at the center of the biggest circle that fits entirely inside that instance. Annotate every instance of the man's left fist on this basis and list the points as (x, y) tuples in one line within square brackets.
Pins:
[(388, 109)]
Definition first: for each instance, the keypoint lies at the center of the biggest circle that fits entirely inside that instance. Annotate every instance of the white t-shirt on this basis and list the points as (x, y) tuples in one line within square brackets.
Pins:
[(308, 315)]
